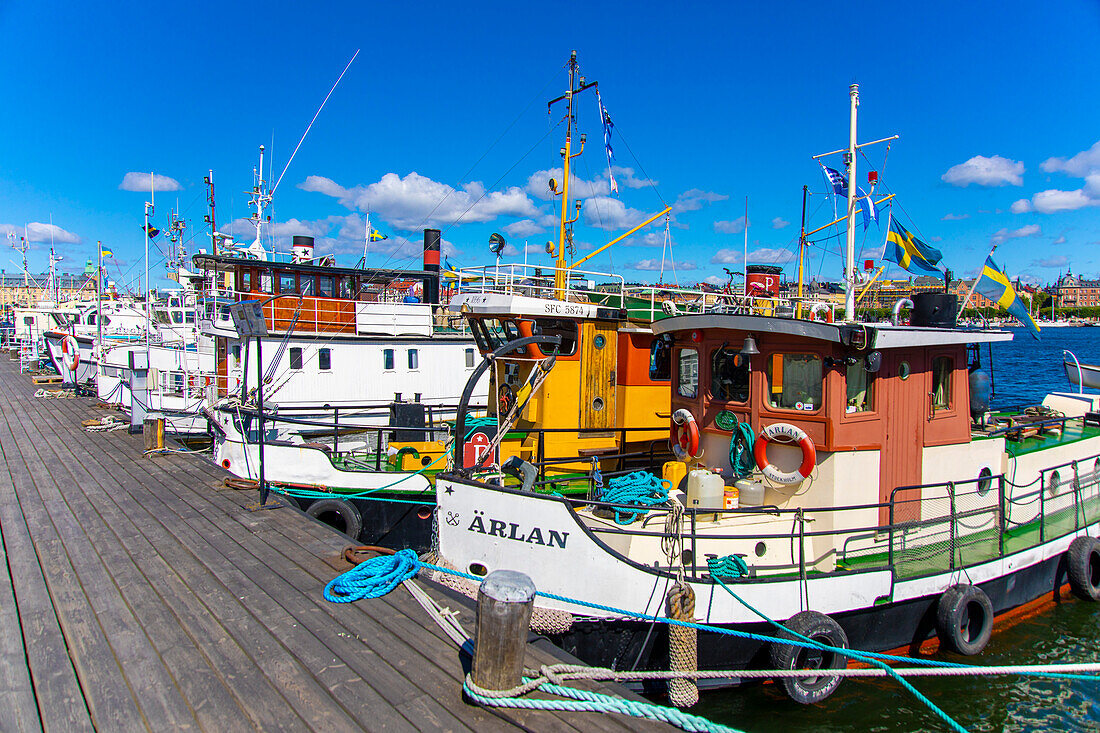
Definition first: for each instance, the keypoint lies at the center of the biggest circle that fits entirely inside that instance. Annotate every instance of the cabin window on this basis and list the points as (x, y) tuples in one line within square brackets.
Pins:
[(287, 283), (266, 282), (306, 284), (860, 388), (236, 351), (414, 359), (729, 375), (660, 360), (567, 330), (324, 286), (687, 372), (469, 358), (492, 333), (246, 280), (189, 316), (344, 287), (942, 369), (324, 359), (794, 381), (387, 359), (295, 357)]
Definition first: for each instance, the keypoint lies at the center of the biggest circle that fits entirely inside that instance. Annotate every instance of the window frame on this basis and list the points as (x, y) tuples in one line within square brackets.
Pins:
[(283, 277), (767, 396), (389, 359), (680, 376), (948, 382), (294, 353), (746, 366), (324, 359), (413, 358)]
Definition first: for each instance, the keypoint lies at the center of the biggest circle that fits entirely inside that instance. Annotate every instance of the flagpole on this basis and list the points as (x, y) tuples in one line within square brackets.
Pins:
[(850, 248), (99, 305), (746, 262), (976, 279)]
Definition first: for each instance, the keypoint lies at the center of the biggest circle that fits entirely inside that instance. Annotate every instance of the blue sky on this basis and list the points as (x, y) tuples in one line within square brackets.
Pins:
[(442, 121)]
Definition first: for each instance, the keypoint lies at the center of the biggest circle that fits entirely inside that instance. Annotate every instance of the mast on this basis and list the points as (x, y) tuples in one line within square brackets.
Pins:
[(801, 251), (850, 250), (565, 234), (209, 218), (260, 198), (148, 306), (745, 273), (99, 303)]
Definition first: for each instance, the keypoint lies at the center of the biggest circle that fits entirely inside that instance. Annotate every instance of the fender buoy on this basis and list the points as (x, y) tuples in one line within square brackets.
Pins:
[(822, 629), (819, 310), (964, 619), (685, 435), (791, 434), (338, 514), (1083, 568), (70, 352)]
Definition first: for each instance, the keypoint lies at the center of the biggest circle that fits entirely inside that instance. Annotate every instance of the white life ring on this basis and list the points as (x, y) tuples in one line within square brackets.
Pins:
[(821, 312), (685, 436), (70, 352), (785, 433)]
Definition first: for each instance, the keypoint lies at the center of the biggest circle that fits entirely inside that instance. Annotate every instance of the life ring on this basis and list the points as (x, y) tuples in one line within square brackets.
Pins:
[(685, 435), (818, 310), (794, 434), (964, 619), (338, 514), (70, 352), (1083, 568)]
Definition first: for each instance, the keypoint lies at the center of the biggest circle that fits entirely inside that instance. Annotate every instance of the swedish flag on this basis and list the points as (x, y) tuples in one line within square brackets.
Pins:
[(377, 236), (106, 253), (909, 252), (994, 284)]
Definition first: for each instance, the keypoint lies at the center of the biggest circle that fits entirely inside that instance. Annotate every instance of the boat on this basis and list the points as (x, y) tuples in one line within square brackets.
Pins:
[(1083, 375), (848, 480)]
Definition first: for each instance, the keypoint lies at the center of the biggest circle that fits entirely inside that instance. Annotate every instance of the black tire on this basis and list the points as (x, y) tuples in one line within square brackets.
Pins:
[(964, 619), (824, 630), (1083, 568), (341, 515)]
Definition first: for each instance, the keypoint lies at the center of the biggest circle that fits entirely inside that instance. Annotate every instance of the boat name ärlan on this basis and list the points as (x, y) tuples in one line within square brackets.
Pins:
[(512, 531)]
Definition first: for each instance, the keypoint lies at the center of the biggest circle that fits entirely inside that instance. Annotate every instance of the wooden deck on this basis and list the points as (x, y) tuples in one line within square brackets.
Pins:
[(140, 594)]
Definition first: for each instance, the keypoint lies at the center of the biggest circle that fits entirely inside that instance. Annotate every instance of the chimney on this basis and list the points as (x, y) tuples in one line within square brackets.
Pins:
[(431, 266)]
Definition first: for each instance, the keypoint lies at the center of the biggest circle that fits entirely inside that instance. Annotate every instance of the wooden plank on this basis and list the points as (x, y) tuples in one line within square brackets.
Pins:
[(18, 706)]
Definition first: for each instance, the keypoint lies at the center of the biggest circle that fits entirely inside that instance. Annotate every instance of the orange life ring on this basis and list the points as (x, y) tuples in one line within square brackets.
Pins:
[(685, 435), (821, 308), (70, 352), (785, 433)]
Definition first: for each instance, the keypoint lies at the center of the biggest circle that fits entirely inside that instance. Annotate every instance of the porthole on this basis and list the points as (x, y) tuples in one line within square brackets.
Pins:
[(904, 370), (597, 404), (426, 461), (478, 569), (599, 342), (1096, 470), (687, 557), (424, 512), (1054, 482), (985, 481), (761, 549)]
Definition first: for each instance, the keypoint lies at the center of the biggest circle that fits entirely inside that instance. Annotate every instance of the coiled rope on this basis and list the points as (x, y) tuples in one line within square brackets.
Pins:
[(640, 488), (741, 458)]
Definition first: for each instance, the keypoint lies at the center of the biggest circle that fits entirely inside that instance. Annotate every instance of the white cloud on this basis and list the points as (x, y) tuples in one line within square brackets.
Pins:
[(1048, 202), (983, 171), (604, 212), (1079, 166), (1056, 261), (1021, 206), (779, 222), (138, 181), (625, 177), (1003, 235), (1060, 240), (955, 217), (40, 232), (714, 280), (416, 201), (523, 228), (727, 257), (731, 227), (694, 199), (538, 185), (770, 256), (657, 265)]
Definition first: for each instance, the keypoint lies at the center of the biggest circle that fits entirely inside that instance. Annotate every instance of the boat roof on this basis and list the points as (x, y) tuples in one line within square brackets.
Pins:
[(224, 262), (501, 304), (879, 335)]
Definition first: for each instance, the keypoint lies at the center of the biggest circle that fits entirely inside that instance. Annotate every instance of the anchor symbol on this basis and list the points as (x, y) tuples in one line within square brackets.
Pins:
[(452, 519)]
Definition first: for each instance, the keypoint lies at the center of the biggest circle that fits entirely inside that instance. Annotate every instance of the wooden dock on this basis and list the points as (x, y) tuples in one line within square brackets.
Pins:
[(140, 594)]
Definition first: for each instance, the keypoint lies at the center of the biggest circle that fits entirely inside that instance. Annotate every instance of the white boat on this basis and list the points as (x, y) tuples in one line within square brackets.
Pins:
[(1083, 375)]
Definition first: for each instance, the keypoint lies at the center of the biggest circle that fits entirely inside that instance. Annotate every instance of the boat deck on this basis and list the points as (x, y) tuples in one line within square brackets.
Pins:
[(141, 594)]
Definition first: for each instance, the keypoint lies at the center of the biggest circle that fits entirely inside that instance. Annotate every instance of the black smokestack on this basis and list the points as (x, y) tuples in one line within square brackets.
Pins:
[(431, 266)]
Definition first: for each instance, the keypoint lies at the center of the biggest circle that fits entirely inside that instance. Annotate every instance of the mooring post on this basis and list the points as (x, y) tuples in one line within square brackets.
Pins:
[(504, 605), (153, 432)]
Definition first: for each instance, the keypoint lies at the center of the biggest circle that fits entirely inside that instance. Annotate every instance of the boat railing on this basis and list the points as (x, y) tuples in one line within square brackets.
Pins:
[(1080, 372), (538, 282)]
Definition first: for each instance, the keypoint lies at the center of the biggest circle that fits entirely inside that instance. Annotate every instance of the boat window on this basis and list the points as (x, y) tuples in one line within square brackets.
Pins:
[(687, 373), (189, 316), (860, 388), (324, 286), (469, 358), (236, 351), (729, 375), (265, 282), (246, 280), (177, 317), (387, 359), (660, 360), (295, 357), (287, 283), (324, 359), (414, 359), (567, 330), (344, 287), (306, 284), (492, 333), (794, 381), (942, 369)]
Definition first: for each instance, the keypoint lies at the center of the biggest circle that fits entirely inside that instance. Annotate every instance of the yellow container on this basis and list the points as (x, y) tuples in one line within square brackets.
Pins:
[(732, 498), (674, 472)]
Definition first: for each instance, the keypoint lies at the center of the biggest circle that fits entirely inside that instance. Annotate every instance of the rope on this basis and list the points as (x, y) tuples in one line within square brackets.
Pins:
[(373, 578), (741, 458), (640, 488), (730, 566)]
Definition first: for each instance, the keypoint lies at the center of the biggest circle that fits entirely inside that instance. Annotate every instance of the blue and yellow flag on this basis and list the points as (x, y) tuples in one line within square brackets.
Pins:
[(994, 284), (106, 253), (377, 236), (909, 252)]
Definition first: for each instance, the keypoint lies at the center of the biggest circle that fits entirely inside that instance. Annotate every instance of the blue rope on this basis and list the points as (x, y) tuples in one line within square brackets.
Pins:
[(640, 488), (741, 458), (730, 566), (373, 578)]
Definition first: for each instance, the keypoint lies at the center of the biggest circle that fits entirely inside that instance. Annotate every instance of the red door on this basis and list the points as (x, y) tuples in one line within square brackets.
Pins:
[(905, 394)]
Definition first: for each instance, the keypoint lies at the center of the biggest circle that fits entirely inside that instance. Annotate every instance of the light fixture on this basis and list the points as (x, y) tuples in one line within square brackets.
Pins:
[(749, 347)]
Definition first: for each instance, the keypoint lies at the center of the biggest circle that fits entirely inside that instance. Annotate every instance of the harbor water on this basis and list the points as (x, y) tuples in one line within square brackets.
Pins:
[(1069, 632)]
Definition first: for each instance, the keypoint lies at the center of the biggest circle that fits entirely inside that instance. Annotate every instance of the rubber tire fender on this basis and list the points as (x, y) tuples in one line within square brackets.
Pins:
[(1083, 568), (964, 619), (819, 627), (345, 510)]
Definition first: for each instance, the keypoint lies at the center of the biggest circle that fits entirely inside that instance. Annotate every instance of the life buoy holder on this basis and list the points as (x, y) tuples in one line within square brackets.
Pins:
[(70, 352), (782, 432), (821, 312), (685, 435)]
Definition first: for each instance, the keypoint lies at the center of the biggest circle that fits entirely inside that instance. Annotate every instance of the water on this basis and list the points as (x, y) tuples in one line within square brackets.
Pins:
[(1024, 371)]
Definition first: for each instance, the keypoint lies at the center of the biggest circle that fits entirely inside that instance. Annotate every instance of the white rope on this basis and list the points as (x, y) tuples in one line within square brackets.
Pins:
[(443, 616)]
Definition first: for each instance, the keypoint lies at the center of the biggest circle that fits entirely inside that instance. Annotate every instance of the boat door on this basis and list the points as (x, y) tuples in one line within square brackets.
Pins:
[(905, 397), (599, 357)]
